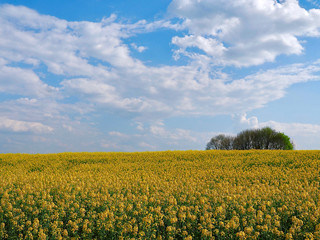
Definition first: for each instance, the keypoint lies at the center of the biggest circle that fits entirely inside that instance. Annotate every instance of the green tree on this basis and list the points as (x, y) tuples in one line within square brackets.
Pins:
[(265, 138), (281, 141)]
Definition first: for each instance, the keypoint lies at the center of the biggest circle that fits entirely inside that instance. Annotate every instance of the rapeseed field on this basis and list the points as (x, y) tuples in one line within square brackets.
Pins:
[(161, 195)]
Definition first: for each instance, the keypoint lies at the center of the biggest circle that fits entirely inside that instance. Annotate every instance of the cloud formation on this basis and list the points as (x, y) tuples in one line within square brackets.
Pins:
[(97, 65), (25, 82), (22, 126), (59, 74), (243, 33)]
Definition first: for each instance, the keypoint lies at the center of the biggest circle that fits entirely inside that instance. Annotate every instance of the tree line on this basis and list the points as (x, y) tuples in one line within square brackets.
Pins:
[(264, 138)]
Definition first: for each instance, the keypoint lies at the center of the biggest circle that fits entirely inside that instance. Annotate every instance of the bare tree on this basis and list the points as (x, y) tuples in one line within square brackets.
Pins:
[(220, 142)]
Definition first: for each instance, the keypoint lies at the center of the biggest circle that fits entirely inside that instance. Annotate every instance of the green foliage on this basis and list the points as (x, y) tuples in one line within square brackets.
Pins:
[(265, 138)]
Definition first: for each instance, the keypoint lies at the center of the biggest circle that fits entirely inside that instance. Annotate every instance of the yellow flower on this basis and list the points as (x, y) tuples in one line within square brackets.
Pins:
[(241, 235), (65, 232), (169, 229), (248, 230)]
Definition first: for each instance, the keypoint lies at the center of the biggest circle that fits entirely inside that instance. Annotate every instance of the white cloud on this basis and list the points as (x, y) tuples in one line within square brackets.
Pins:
[(104, 94), (29, 17), (64, 47), (138, 48), (139, 126), (68, 128), (157, 136), (99, 70), (158, 130), (117, 134), (209, 45), (25, 82), (303, 129), (251, 122), (100, 74), (23, 126), (243, 33), (303, 135), (147, 146)]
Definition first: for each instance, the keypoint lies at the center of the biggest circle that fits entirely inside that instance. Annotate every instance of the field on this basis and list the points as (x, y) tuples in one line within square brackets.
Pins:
[(161, 195)]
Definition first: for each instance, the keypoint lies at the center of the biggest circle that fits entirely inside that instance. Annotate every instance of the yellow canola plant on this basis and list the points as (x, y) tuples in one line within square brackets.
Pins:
[(161, 195)]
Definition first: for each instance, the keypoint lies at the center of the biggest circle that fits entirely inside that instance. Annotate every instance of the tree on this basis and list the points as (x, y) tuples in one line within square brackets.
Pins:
[(281, 141), (265, 138), (243, 140), (220, 142)]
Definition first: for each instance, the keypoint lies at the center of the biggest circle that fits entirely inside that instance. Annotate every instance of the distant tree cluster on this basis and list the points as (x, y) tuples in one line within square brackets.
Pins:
[(264, 138)]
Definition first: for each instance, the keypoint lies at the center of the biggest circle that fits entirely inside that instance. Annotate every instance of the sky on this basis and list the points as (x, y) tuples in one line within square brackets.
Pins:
[(94, 75)]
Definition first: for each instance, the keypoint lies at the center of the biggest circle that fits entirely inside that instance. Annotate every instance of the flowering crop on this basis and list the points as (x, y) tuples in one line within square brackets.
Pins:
[(161, 195)]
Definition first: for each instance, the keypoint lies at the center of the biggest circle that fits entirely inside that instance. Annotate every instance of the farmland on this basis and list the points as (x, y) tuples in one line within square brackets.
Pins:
[(161, 195)]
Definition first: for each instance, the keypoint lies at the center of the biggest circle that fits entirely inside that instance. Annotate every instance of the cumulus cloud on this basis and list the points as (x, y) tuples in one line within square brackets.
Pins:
[(15, 80), (243, 33), (94, 70), (187, 90), (251, 122), (23, 126), (98, 67)]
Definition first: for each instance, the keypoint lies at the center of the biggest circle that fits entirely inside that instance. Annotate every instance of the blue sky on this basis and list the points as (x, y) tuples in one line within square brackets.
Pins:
[(141, 75)]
